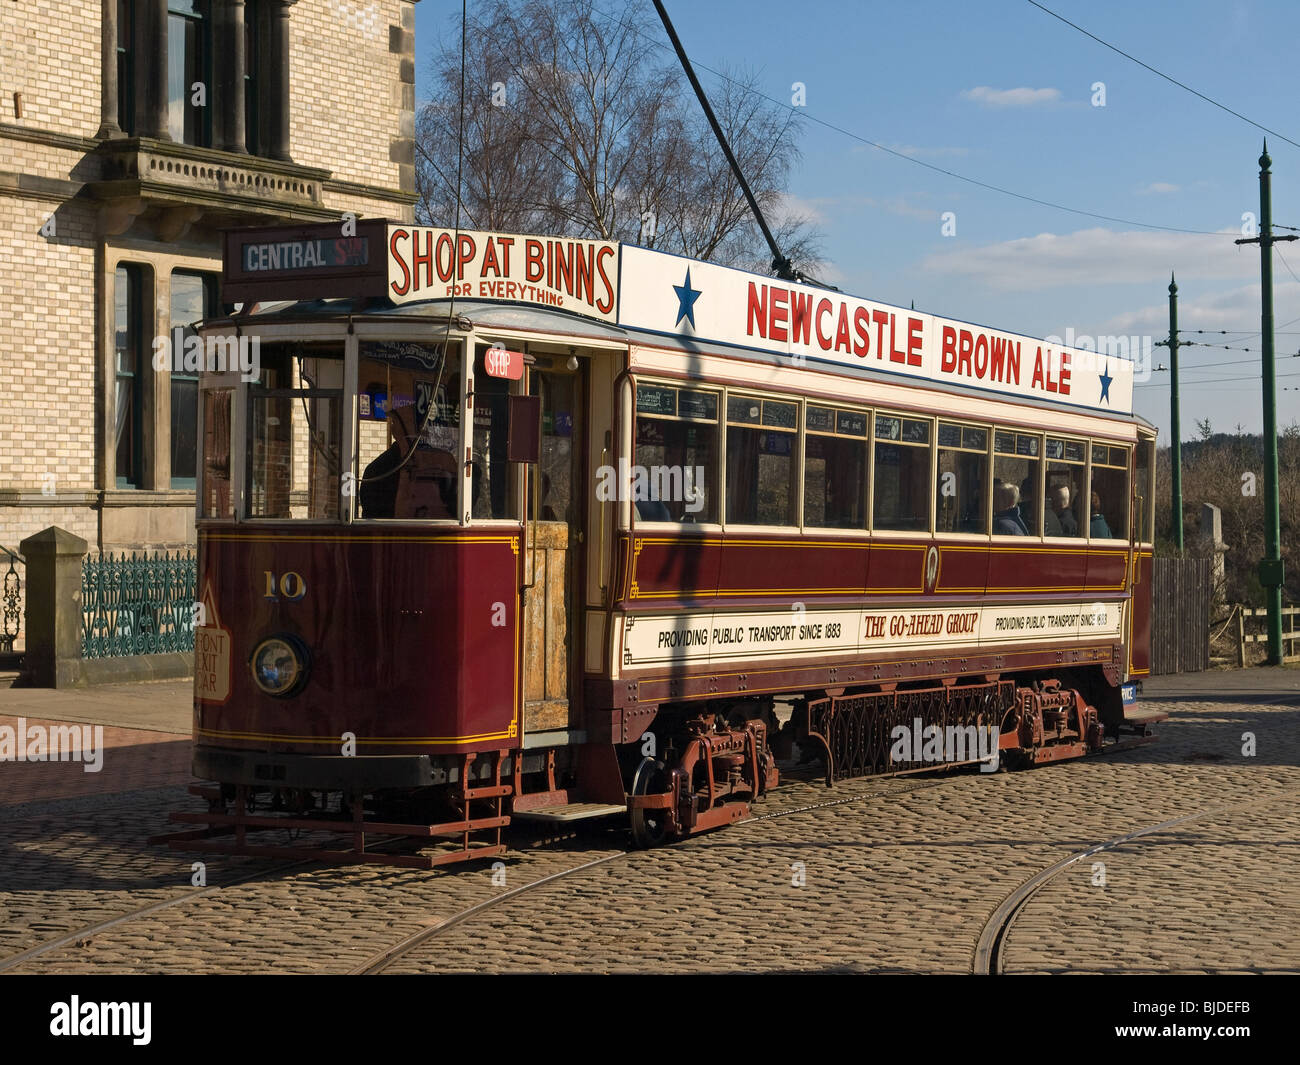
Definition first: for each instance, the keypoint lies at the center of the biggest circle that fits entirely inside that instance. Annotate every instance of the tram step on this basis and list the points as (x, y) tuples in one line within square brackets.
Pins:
[(7, 678), (576, 811)]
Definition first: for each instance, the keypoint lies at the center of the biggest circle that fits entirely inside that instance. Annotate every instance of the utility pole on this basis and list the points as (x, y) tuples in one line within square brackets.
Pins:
[(1175, 433), (1270, 569)]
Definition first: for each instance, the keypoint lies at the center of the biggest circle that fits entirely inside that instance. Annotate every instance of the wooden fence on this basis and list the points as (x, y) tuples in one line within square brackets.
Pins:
[(1247, 619), (1180, 615)]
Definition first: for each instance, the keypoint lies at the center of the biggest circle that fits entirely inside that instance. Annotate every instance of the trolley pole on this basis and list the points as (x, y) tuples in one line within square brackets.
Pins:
[(1270, 569)]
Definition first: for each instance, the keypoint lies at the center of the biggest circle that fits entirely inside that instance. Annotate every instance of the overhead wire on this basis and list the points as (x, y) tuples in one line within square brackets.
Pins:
[(1162, 74), (911, 159)]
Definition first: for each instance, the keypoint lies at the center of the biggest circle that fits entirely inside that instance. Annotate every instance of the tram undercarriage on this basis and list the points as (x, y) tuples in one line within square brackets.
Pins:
[(696, 768)]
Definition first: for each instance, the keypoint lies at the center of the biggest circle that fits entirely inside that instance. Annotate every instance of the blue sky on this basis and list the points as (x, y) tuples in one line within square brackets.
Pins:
[(1001, 92)]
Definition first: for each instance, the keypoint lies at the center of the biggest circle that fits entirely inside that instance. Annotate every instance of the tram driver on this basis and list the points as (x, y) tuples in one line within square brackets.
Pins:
[(402, 484)]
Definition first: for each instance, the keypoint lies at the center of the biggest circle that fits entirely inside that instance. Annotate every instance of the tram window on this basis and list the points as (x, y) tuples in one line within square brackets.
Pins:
[(835, 468), (1142, 531), (294, 433), (1017, 466), (215, 497), (902, 474), (1108, 510), (761, 435), (403, 388), (676, 454), (1065, 481), (963, 467), (491, 492)]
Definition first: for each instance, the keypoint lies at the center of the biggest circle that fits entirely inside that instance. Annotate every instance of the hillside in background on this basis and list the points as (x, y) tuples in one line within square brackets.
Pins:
[(1227, 470)]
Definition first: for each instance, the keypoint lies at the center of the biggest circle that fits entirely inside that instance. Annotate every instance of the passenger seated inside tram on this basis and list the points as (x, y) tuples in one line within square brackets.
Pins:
[(422, 485), (1097, 527), (652, 510), (1007, 520), (1064, 515)]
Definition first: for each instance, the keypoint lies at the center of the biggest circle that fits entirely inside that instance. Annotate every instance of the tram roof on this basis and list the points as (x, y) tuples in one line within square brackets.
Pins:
[(573, 289), (486, 315)]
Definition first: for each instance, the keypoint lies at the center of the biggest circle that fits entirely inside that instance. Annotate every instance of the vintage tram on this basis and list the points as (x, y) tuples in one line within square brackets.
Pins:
[(498, 527)]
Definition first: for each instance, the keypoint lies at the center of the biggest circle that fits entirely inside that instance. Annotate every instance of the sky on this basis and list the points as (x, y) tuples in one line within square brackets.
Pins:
[(1003, 93)]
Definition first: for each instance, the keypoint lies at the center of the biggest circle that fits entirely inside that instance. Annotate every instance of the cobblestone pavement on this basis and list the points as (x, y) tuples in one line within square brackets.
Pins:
[(902, 876)]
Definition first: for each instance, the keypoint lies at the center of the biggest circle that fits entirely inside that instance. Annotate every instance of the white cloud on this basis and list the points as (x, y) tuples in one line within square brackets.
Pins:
[(989, 97), (1097, 257), (1235, 309), (1157, 188), (791, 206)]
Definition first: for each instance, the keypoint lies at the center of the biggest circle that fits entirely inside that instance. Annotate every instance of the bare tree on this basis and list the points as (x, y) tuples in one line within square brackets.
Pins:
[(580, 123)]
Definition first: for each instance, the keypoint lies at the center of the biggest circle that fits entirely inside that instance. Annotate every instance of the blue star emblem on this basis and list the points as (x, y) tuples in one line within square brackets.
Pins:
[(1106, 379), (686, 297)]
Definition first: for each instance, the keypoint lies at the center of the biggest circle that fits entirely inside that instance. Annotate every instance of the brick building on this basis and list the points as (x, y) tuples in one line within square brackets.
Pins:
[(131, 133)]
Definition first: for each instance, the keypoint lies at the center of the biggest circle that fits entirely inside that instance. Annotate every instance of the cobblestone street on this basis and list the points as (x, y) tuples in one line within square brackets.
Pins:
[(896, 875)]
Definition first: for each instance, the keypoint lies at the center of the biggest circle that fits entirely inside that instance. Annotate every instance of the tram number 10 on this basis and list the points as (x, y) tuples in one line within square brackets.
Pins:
[(290, 585)]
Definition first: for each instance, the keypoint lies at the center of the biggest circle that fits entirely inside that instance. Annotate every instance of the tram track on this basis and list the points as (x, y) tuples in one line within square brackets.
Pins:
[(377, 963), (988, 956), (14, 960)]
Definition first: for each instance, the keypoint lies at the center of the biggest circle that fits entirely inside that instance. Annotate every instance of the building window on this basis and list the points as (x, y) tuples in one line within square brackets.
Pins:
[(194, 297), (189, 55), (254, 49), (128, 344), (125, 66)]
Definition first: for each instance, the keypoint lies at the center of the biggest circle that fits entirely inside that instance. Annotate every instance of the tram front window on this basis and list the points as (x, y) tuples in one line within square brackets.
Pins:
[(408, 431), (294, 433)]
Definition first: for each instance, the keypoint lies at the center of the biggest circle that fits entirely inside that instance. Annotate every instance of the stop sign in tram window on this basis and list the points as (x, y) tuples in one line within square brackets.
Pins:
[(501, 363)]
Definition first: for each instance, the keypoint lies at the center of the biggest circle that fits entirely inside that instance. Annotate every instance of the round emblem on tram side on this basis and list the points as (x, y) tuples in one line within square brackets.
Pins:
[(931, 568)]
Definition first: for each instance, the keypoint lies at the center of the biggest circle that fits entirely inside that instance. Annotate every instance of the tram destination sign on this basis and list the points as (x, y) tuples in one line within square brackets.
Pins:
[(828, 330), (307, 262)]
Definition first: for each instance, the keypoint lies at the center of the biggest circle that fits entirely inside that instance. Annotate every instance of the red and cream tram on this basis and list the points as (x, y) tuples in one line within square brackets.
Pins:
[(495, 526)]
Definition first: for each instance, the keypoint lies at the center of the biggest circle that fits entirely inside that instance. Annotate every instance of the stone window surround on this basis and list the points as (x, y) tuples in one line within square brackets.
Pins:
[(227, 92), (156, 384)]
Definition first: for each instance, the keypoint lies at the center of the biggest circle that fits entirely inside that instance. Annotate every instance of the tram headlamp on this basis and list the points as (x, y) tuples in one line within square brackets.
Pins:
[(279, 665)]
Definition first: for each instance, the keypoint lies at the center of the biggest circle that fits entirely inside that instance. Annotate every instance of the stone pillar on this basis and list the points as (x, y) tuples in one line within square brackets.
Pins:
[(230, 63), (53, 657), (150, 58), (278, 117), (1212, 534), (108, 126)]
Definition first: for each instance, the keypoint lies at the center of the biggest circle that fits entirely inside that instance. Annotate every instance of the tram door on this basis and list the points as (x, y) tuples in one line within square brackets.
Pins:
[(554, 563)]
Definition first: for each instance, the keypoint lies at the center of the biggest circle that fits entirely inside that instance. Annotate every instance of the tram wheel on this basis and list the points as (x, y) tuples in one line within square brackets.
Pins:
[(649, 827)]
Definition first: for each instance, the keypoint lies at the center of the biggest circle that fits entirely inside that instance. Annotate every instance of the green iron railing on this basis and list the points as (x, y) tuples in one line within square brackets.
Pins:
[(137, 605), (11, 598)]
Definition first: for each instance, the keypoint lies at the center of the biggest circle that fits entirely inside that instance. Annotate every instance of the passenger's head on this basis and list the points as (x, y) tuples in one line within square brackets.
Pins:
[(1006, 496), (1096, 502), (1061, 496)]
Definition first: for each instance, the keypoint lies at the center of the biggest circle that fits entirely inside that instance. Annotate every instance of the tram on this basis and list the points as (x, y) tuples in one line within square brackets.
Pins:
[(495, 526)]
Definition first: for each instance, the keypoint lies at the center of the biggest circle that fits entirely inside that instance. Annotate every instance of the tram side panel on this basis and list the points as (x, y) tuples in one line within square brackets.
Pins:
[(410, 638)]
